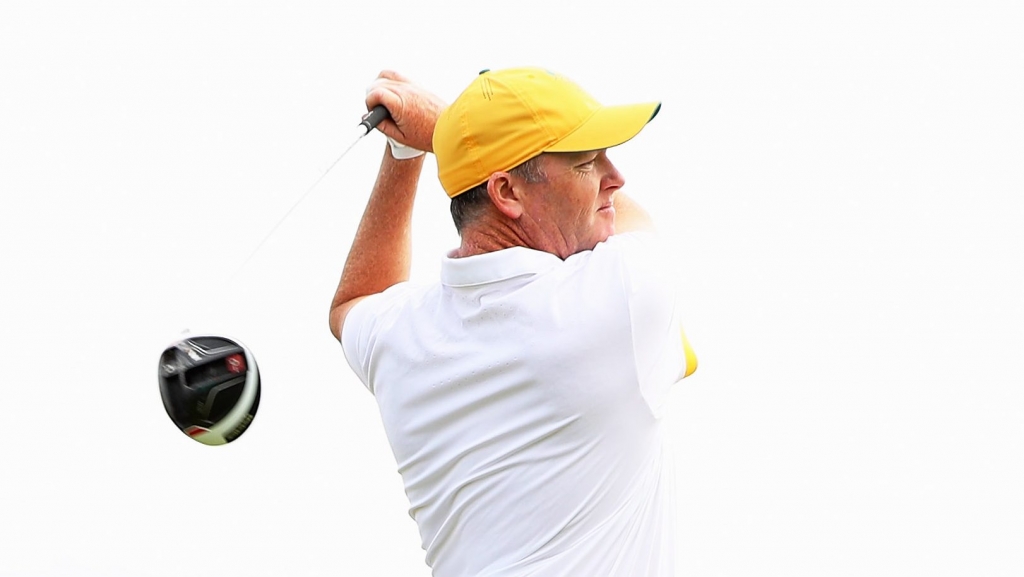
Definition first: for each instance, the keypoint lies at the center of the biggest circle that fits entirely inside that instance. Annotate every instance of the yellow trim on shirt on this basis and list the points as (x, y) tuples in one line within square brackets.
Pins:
[(691, 357)]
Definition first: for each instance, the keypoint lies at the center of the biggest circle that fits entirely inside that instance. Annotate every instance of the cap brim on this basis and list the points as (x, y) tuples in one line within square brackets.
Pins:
[(609, 126)]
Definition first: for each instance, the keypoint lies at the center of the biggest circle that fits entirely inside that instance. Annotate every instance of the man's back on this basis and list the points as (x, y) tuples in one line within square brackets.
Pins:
[(521, 398)]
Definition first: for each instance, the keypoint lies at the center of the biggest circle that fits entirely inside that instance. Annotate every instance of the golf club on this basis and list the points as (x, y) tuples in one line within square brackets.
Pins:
[(210, 384)]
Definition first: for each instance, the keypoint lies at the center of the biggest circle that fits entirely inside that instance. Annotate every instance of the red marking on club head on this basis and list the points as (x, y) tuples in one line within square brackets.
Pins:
[(236, 363), (195, 430)]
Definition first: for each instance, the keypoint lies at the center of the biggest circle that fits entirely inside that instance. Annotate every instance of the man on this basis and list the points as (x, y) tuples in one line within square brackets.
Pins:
[(522, 396)]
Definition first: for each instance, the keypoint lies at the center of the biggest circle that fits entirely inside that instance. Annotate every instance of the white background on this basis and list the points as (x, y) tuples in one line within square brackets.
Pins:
[(844, 178)]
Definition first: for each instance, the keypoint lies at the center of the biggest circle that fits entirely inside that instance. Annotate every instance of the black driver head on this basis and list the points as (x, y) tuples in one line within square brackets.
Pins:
[(210, 387)]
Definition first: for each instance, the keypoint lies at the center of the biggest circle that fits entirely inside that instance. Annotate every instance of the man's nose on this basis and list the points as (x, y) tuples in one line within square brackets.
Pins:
[(613, 178)]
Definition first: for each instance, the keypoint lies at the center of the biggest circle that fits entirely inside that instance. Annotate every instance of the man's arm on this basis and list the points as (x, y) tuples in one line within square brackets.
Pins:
[(630, 216), (380, 253)]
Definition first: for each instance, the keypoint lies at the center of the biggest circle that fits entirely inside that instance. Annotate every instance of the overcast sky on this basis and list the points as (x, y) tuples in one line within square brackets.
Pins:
[(844, 180)]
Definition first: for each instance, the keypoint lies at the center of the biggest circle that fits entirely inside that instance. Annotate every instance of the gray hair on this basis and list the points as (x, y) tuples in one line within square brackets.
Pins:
[(468, 205)]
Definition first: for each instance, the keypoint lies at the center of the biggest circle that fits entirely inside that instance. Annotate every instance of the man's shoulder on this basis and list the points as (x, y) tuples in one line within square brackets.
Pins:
[(624, 252), (396, 296), (639, 239), (382, 308), (626, 244)]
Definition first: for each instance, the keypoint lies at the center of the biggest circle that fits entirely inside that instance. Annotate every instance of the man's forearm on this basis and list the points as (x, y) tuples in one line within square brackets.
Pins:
[(380, 253), (630, 216)]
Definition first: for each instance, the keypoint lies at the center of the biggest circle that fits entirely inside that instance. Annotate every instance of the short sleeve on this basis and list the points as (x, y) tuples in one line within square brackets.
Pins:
[(662, 353), (363, 325)]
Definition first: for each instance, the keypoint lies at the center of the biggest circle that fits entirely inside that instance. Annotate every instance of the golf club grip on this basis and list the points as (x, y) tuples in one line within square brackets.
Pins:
[(374, 117)]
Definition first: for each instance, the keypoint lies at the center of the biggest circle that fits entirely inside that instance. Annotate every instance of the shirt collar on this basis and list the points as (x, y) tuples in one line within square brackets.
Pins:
[(495, 266)]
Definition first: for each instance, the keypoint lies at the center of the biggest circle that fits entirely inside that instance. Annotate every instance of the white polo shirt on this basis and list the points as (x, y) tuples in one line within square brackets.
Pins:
[(522, 397)]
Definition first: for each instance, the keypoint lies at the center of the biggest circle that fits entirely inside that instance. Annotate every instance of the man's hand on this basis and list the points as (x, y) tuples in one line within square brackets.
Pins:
[(414, 110)]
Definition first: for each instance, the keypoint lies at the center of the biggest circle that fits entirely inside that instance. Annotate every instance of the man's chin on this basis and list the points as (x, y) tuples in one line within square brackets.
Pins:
[(604, 236)]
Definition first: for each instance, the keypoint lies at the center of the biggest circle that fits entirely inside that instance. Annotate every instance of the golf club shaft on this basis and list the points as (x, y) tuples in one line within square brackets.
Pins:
[(372, 119)]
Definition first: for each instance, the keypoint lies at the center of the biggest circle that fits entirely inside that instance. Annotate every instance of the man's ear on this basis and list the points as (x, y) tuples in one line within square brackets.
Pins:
[(504, 195)]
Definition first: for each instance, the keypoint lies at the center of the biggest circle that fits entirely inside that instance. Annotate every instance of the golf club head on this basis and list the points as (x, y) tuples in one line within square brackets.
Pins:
[(210, 386)]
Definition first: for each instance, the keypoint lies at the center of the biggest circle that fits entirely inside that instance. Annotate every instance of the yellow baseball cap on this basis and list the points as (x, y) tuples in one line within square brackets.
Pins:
[(507, 117)]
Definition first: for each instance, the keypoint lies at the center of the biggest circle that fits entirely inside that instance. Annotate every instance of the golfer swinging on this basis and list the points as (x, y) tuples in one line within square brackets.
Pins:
[(522, 395)]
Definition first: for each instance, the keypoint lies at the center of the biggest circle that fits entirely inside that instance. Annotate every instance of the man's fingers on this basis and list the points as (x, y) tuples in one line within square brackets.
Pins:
[(389, 128), (392, 75), (413, 110), (380, 94)]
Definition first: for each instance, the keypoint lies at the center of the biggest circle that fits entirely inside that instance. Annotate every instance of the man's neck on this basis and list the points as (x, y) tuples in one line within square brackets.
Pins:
[(488, 234), (473, 245)]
